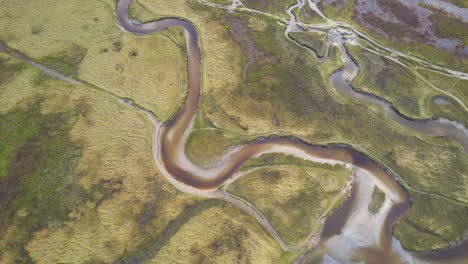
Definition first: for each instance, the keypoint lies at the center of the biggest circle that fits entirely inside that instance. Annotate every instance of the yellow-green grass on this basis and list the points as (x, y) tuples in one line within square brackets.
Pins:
[(206, 146), (81, 183), (452, 109), (221, 2), (150, 70), (308, 16), (57, 33), (387, 79), (432, 223), (220, 235), (378, 197), (139, 12), (275, 7), (312, 40), (453, 85), (293, 198), (418, 49), (69, 34)]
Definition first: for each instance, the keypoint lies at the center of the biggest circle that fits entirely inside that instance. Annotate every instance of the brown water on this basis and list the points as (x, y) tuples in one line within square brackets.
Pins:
[(173, 136)]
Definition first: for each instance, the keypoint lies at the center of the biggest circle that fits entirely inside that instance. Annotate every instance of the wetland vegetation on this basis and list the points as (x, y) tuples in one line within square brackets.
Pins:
[(77, 179)]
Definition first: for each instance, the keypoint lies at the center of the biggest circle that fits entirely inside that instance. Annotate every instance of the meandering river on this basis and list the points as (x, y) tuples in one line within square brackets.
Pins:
[(169, 154)]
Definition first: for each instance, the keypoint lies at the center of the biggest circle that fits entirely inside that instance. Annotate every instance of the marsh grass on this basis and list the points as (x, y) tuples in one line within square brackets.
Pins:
[(389, 80), (75, 184), (292, 197), (431, 224), (308, 16), (39, 184), (291, 86), (205, 147), (120, 202), (312, 40), (9, 68), (220, 234), (41, 28), (275, 7), (378, 197), (157, 62)]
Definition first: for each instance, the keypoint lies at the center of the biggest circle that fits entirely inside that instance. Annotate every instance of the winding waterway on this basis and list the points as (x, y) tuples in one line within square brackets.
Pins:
[(169, 154)]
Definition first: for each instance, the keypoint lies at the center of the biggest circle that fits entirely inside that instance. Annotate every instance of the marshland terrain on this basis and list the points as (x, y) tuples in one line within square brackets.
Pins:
[(212, 131)]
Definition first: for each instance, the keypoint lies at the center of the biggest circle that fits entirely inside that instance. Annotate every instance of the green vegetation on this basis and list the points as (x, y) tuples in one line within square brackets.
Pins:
[(446, 25), (151, 247), (138, 12), (291, 197), (39, 184), (284, 83), (451, 110), (388, 79), (52, 30), (308, 16), (75, 184), (204, 147), (65, 61), (282, 159), (8, 68), (221, 2), (220, 235), (119, 214), (452, 85), (312, 40), (77, 179), (460, 3), (123, 210), (432, 223), (158, 61), (275, 7), (378, 198)]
